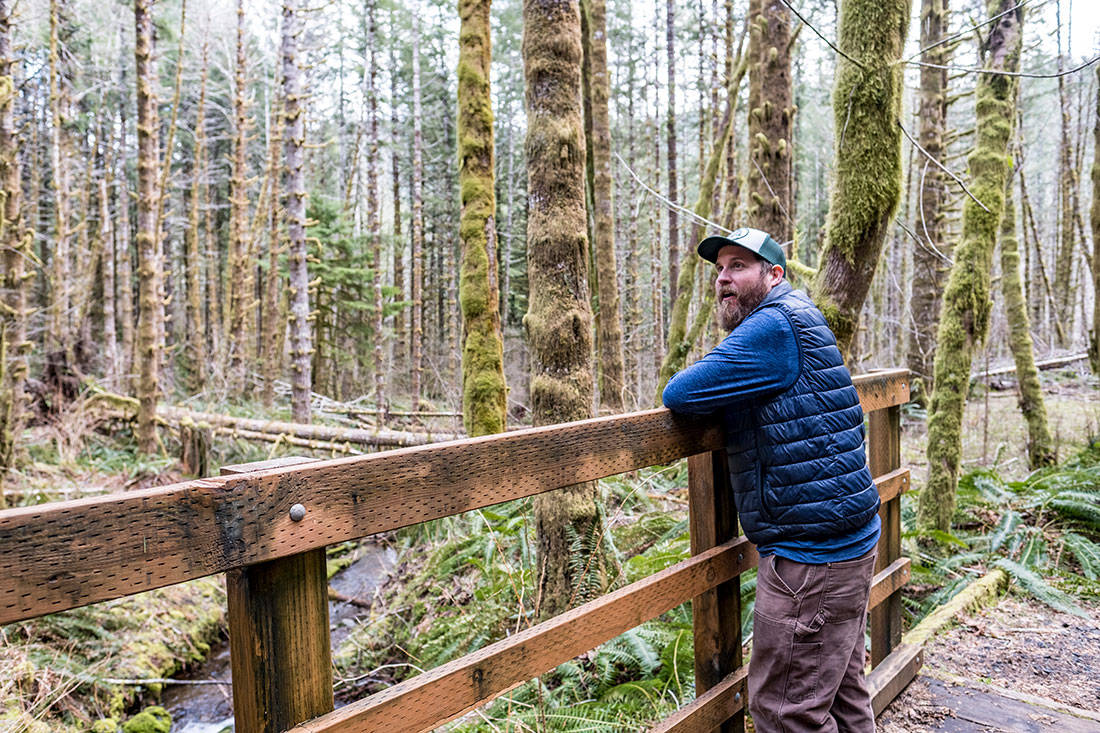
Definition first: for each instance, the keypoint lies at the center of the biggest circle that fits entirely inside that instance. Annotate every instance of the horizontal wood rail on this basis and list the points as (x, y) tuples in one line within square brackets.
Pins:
[(73, 553)]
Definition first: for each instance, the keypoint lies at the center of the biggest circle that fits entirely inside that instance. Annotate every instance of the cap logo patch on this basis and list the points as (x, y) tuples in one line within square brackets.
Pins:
[(742, 232)]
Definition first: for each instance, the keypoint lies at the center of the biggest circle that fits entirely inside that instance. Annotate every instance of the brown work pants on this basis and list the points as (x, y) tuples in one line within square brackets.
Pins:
[(806, 670)]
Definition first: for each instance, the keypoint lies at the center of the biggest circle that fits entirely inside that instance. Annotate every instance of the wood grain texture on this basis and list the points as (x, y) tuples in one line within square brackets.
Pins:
[(69, 554), (896, 671), (446, 692), (884, 457), (711, 709), (280, 648), (888, 581), (882, 389), (73, 553), (716, 613)]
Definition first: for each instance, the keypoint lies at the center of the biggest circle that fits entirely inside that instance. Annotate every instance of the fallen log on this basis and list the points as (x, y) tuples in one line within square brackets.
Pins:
[(1045, 364), (330, 433), (271, 430), (324, 445)]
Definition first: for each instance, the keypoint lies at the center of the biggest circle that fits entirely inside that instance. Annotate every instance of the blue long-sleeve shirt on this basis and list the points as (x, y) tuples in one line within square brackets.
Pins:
[(759, 358)]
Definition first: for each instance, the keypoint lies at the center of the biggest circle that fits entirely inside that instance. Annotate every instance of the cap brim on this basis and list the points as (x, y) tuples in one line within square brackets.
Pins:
[(708, 249)]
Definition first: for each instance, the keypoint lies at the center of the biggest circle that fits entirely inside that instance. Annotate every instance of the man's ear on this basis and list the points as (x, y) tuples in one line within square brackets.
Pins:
[(775, 276)]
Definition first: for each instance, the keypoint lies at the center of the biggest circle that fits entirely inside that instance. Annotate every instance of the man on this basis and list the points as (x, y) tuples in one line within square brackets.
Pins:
[(804, 495)]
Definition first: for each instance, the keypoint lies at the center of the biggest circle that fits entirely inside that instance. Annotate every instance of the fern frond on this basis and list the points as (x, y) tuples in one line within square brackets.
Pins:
[(1005, 527), (1086, 552), (1038, 588)]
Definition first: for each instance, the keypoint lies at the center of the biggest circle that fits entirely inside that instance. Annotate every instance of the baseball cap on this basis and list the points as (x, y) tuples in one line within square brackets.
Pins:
[(758, 242)]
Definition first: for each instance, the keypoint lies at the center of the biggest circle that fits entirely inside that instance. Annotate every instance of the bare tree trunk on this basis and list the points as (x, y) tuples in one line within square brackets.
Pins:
[(673, 193), (867, 94), (932, 250), (1029, 393), (274, 323), (1094, 342), (964, 320), (151, 317), (59, 335), (125, 259), (374, 222), (610, 333), (417, 336), (16, 242), (559, 318), (301, 345), (400, 330), (1065, 294), (771, 118), (238, 321), (196, 323)]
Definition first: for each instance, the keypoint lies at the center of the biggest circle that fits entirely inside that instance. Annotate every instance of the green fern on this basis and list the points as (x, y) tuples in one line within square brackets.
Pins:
[(1086, 552), (1039, 588)]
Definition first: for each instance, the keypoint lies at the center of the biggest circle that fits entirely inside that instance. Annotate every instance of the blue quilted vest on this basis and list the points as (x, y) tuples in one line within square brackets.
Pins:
[(797, 462)]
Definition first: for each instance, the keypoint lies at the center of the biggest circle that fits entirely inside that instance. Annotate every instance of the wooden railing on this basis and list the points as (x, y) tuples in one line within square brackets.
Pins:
[(267, 530)]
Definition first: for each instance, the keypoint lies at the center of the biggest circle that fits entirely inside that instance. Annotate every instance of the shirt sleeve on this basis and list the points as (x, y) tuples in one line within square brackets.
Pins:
[(759, 358)]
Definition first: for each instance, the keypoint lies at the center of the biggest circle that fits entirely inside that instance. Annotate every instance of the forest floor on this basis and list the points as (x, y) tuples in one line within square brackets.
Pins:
[(1017, 646)]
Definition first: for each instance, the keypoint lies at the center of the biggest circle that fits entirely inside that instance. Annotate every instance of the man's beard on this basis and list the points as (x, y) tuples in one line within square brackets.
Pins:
[(731, 316)]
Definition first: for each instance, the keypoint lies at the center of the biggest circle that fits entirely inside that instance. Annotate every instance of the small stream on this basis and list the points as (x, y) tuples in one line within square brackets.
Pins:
[(208, 708)]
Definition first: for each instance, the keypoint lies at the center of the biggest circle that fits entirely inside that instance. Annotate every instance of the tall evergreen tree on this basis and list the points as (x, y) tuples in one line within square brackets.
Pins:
[(301, 343), (1094, 340), (964, 318), (150, 335)]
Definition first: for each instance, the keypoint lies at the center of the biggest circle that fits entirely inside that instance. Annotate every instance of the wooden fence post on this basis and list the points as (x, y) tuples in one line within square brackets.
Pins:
[(279, 643), (716, 614), (883, 456)]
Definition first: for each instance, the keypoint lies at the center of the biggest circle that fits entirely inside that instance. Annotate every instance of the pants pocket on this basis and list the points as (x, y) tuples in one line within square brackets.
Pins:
[(847, 585), (802, 676)]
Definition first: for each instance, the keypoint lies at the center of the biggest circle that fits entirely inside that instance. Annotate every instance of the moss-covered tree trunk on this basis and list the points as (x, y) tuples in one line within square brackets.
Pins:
[(483, 390), (125, 257), (14, 346), (1094, 340), (1029, 393), (400, 329), (964, 318), (150, 335), (609, 336), (867, 184), (559, 318), (931, 252), (301, 335), (771, 118)]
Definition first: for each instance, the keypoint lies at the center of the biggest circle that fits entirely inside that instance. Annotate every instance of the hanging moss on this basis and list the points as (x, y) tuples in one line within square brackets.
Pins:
[(964, 318), (867, 183), (483, 388)]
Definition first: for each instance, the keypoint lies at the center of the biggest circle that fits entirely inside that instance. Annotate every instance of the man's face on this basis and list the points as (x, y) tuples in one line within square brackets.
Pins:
[(743, 281)]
